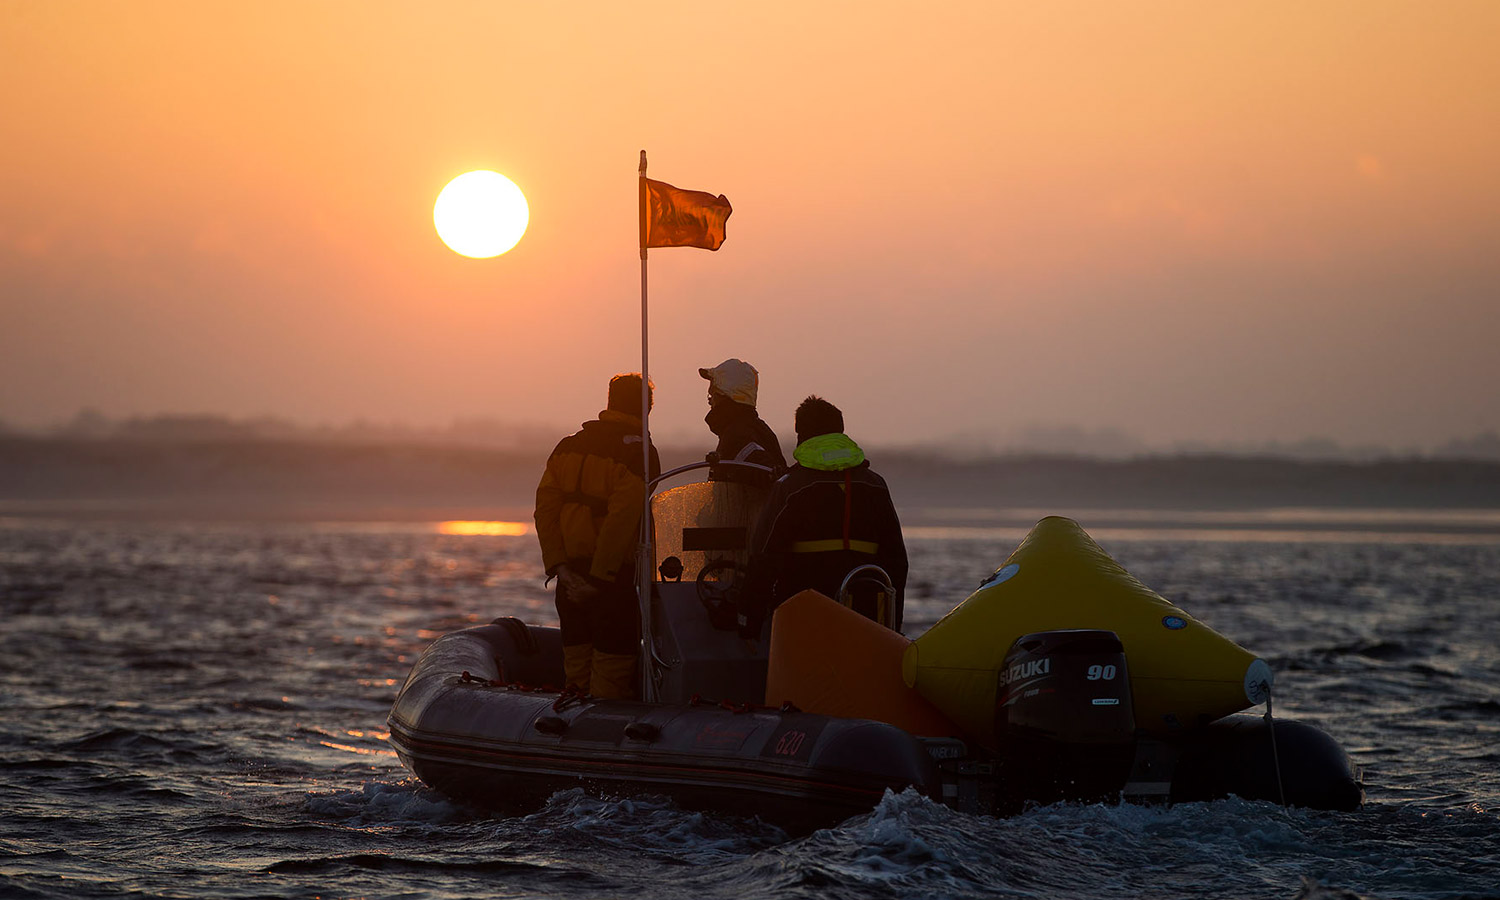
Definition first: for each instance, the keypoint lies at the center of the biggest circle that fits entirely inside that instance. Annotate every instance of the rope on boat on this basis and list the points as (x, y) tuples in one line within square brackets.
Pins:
[(570, 696), (1275, 753), (743, 707), (468, 678)]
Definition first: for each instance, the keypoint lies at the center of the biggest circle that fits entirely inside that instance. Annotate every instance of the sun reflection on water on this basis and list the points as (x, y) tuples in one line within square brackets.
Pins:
[(361, 751), (488, 529)]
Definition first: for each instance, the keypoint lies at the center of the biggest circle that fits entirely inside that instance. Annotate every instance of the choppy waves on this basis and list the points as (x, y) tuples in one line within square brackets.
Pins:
[(200, 712)]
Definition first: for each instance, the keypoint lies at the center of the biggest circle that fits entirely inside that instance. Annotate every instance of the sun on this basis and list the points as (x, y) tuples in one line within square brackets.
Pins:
[(481, 214)]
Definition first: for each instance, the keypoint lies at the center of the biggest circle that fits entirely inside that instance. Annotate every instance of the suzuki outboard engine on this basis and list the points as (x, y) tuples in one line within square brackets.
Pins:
[(1064, 718)]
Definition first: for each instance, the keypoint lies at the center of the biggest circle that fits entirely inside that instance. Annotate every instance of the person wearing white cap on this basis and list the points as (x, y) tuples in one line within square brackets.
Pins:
[(743, 436)]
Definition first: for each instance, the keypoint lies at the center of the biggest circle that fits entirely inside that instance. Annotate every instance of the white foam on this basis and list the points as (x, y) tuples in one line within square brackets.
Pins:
[(403, 803)]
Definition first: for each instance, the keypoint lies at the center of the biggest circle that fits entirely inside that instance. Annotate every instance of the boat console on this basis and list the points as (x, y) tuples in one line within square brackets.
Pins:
[(700, 547)]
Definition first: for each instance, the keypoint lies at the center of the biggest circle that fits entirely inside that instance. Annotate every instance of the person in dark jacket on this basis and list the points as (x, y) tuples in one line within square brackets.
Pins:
[(743, 436), (588, 518), (828, 515)]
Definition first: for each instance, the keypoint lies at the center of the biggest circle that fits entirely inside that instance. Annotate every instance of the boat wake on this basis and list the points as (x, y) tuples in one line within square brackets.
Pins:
[(650, 824), (907, 845), (407, 803)]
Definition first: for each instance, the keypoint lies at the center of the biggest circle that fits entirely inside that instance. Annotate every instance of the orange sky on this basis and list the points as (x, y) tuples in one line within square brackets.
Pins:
[(1189, 222)]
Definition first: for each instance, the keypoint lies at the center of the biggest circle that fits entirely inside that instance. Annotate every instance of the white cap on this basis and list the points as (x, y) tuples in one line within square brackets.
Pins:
[(734, 378)]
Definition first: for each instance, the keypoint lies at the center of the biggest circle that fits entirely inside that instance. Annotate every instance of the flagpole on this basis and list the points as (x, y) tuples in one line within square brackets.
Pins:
[(643, 553)]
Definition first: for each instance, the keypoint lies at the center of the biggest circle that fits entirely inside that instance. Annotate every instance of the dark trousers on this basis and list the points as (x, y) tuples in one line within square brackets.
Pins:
[(611, 621)]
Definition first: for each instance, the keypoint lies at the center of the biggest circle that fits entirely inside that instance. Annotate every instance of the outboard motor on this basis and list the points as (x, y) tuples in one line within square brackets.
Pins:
[(1064, 718)]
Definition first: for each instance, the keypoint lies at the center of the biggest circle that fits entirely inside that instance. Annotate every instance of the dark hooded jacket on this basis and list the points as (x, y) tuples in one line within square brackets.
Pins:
[(828, 515), (588, 504), (743, 437)]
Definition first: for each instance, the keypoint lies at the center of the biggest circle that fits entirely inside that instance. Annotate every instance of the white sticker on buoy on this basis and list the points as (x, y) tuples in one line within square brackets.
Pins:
[(1005, 573), (1258, 679)]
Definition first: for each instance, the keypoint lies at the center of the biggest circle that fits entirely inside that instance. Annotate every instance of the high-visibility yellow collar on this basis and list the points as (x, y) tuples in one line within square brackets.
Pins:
[(829, 453)]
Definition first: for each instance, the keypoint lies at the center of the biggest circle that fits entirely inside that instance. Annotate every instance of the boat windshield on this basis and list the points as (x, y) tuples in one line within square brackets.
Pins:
[(704, 525)]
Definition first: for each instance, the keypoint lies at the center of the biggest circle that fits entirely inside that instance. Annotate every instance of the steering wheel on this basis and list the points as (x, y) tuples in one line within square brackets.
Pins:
[(715, 595)]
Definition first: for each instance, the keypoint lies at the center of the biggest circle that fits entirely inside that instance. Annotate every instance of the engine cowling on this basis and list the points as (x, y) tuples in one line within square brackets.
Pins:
[(1064, 717)]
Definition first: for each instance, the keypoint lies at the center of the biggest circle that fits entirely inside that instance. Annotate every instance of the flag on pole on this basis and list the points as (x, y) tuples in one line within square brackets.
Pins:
[(672, 217)]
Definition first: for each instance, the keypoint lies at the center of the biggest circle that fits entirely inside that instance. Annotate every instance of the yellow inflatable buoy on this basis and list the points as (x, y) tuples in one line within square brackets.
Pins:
[(1182, 672)]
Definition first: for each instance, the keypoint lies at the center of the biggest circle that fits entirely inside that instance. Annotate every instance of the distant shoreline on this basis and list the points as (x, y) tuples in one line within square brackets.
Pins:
[(306, 481), (1315, 525)]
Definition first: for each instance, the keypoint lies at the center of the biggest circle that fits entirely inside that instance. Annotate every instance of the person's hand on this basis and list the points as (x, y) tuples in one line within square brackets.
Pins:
[(577, 587)]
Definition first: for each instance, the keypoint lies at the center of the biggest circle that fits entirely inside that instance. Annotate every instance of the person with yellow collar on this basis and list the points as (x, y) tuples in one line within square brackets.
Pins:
[(588, 520), (829, 514)]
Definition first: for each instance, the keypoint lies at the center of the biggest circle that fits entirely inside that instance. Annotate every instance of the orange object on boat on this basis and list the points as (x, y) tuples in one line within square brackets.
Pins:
[(826, 658)]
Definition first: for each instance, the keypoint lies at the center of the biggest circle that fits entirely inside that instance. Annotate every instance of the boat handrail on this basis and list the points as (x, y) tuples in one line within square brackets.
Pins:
[(882, 578), (703, 464), (870, 572)]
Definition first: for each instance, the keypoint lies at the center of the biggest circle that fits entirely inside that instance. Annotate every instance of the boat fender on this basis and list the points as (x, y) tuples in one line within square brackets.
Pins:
[(1295, 764), (551, 724)]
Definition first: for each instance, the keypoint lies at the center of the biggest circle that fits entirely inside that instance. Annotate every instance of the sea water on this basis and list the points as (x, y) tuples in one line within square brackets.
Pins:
[(199, 711)]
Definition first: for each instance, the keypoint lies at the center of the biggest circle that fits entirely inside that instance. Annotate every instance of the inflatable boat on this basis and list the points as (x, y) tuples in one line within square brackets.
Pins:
[(1061, 678)]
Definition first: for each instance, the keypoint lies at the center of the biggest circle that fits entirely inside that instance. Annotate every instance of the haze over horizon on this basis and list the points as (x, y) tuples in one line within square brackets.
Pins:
[(537, 438), (1179, 224)]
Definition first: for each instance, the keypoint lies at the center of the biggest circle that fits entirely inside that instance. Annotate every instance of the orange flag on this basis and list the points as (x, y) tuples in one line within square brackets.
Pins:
[(672, 217)]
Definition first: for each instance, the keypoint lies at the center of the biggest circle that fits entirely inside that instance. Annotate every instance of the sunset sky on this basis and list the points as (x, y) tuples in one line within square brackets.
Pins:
[(1223, 223)]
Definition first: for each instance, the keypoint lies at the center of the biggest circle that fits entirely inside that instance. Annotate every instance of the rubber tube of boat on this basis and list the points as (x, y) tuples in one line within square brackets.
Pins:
[(1064, 716)]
